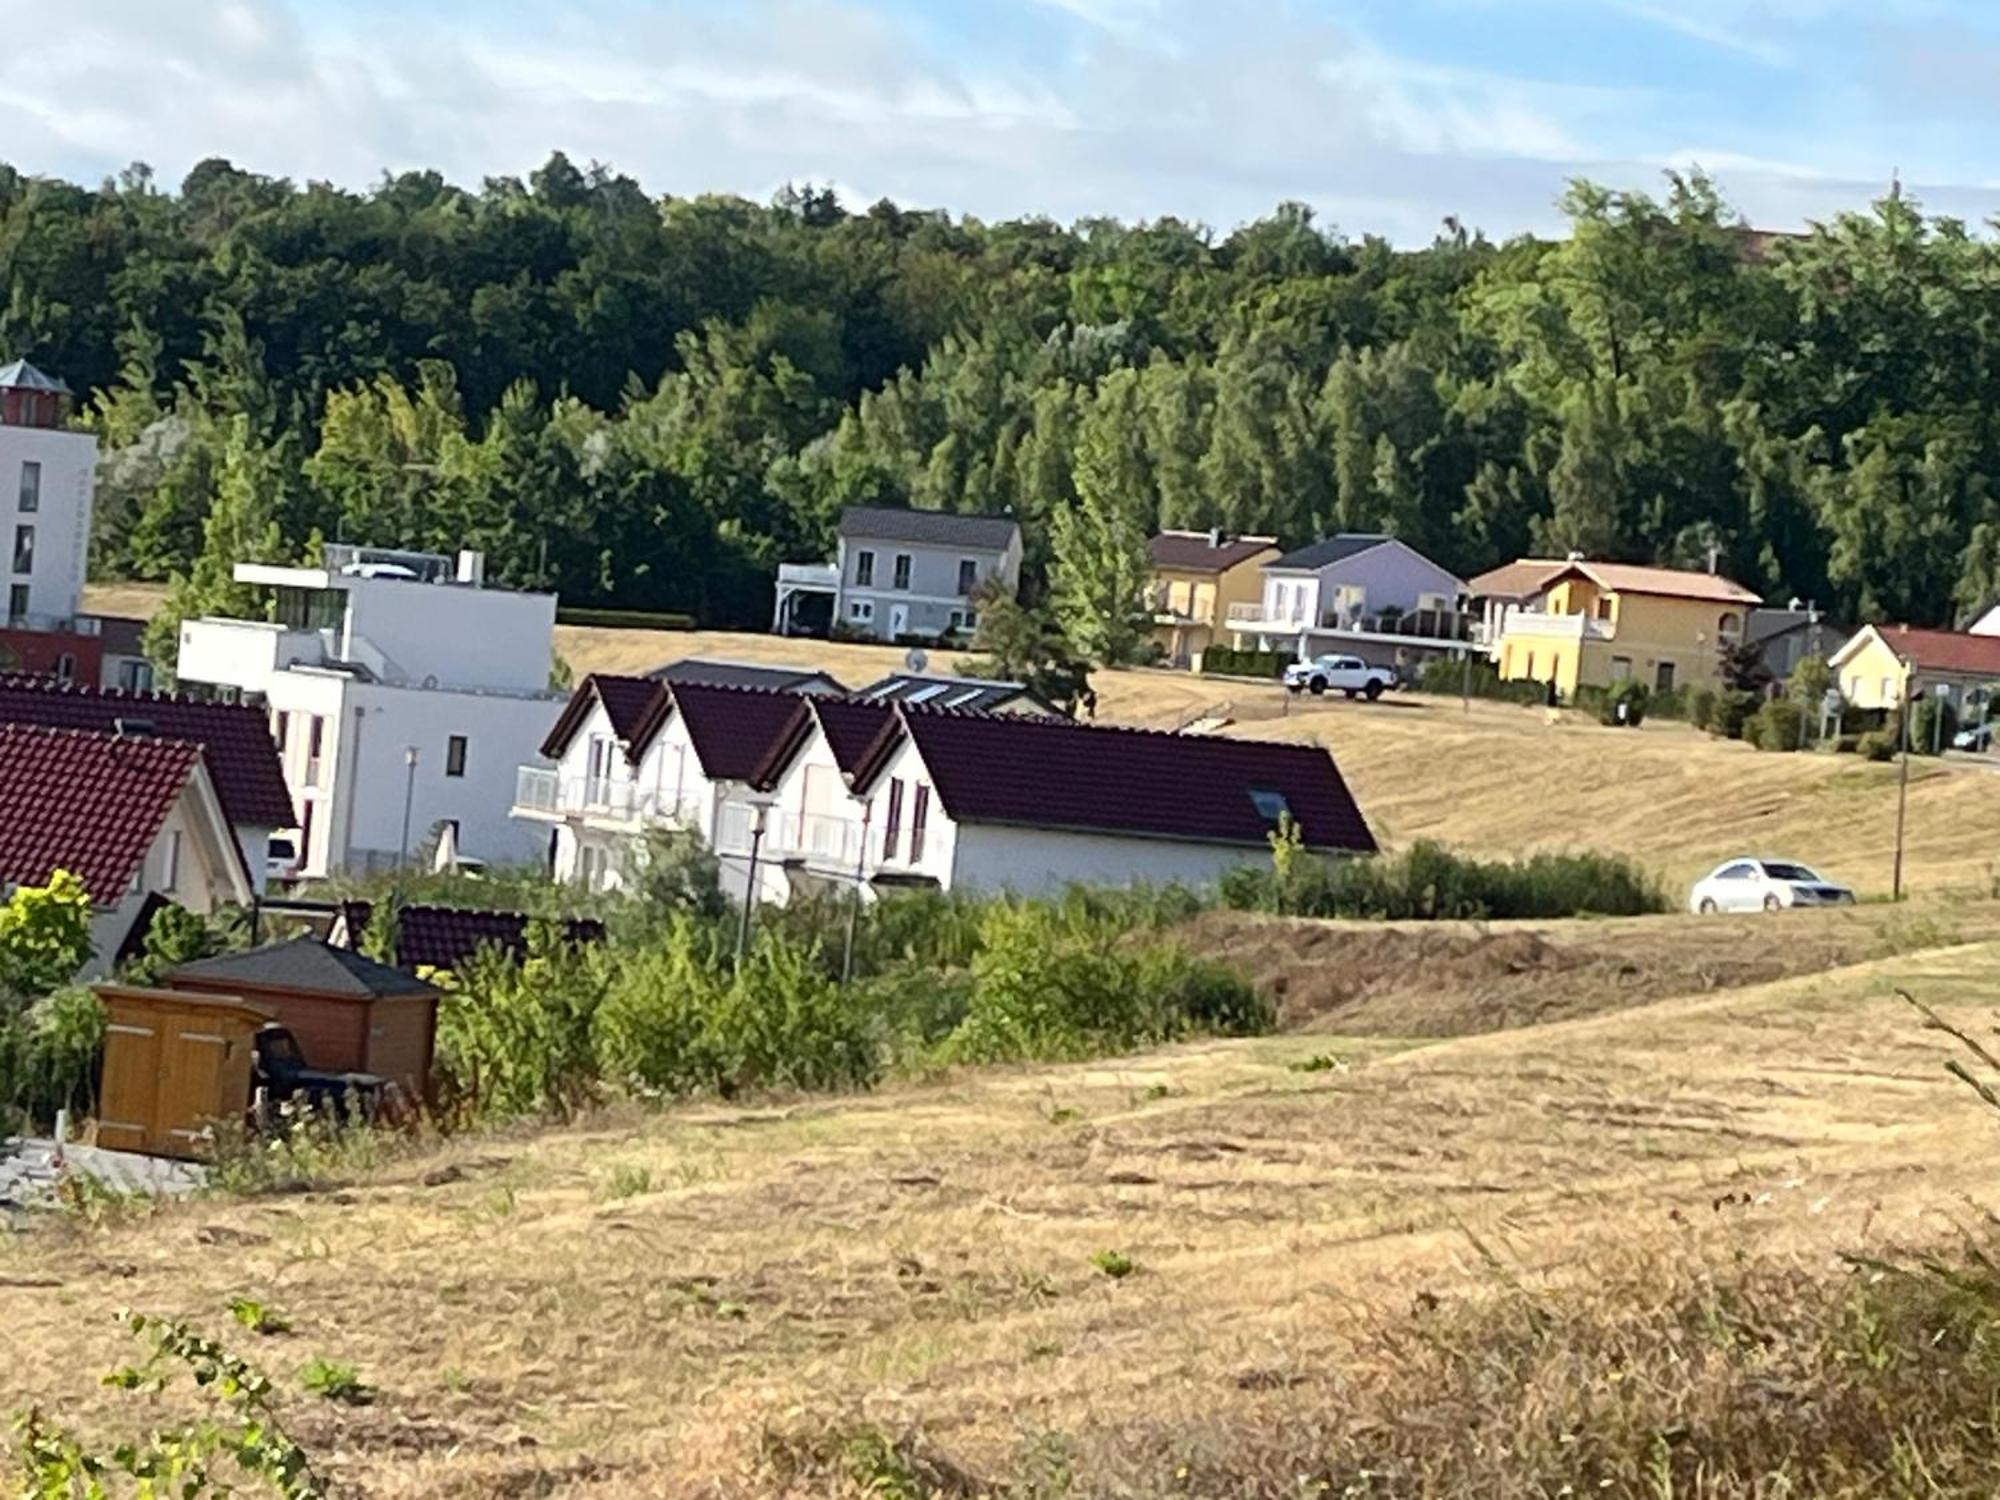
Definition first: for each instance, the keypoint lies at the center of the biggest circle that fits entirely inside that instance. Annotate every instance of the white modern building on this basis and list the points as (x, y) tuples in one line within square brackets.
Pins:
[(403, 695), (48, 481), (902, 573)]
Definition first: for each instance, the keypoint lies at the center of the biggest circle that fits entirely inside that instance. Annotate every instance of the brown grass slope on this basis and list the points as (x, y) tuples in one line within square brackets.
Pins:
[(818, 1296)]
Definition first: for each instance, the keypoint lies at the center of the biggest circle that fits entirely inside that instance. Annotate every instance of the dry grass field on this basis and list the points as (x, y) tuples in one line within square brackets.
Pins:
[(752, 1300)]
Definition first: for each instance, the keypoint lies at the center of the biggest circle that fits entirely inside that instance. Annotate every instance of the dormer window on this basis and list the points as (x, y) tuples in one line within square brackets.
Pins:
[(1271, 806)]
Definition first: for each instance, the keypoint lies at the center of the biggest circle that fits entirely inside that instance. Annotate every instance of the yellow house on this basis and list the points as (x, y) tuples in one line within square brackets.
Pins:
[(1197, 575), (1882, 663), (1578, 623)]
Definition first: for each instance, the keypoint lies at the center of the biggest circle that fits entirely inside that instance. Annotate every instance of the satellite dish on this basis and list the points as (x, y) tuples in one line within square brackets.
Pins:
[(917, 659)]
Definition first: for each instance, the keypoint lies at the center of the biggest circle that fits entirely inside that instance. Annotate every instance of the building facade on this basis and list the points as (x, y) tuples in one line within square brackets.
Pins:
[(1358, 593), (903, 574), (403, 695), (1879, 666), (1198, 578)]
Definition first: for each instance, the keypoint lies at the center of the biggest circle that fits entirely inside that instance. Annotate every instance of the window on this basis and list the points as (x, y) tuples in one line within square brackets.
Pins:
[(173, 872), (1621, 668), (24, 549), (1604, 604), (1270, 806), (961, 619), (17, 604), (902, 570), (305, 832), (1663, 677), (861, 609), (31, 486), (1737, 872), (315, 737), (864, 568), (968, 575), (920, 810), (892, 826), (135, 676), (454, 755), (281, 723)]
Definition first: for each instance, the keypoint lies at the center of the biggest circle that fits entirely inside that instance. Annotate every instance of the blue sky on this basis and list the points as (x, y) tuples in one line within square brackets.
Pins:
[(1385, 116)]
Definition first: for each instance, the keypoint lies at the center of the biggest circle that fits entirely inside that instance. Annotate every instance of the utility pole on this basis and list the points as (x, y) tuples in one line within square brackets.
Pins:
[(409, 796), (758, 812), (1902, 796)]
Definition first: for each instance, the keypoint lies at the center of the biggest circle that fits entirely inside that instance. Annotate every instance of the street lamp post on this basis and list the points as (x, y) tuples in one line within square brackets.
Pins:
[(1902, 787), (409, 795), (760, 811)]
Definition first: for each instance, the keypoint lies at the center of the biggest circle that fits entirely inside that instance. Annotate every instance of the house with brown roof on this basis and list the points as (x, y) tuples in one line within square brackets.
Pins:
[(1198, 576), (137, 818), (1881, 665), (869, 796), (1577, 623), (240, 756)]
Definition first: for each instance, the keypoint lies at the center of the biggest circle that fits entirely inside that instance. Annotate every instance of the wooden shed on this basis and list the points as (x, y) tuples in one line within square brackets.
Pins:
[(175, 1062), (349, 1013)]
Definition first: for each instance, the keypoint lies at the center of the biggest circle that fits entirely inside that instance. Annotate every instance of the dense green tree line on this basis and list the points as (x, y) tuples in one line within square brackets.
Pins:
[(649, 402)]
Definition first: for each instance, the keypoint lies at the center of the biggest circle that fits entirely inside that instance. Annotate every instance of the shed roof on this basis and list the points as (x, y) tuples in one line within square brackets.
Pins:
[(85, 802), (938, 528), (235, 739), (1060, 775), (308, 965)]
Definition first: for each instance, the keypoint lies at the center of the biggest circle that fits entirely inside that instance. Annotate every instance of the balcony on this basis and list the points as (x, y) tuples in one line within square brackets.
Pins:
[(549, 796), (1418, 625), (1533, 625), (245, 654), (816, 578)]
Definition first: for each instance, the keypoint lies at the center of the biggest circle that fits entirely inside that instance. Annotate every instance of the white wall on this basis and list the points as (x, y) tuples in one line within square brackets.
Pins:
[(463, 636), (301, 696), (940, 833), (1037, 862), (199, 879), (62, 521)]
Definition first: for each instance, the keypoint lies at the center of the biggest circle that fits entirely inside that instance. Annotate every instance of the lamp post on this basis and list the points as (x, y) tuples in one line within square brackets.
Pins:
[(760, 811), (854, 897), (1902, 786), (409, 795)]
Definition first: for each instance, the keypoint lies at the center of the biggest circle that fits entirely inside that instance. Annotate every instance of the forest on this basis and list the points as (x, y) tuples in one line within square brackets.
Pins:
[(647, 403)]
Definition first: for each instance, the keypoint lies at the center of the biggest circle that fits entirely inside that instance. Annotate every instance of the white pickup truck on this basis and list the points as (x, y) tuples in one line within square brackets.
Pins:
[(1341, 674)]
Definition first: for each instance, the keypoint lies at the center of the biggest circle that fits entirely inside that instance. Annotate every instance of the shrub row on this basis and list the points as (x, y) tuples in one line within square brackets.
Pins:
[(1448, 678), (624, 619), (1428, 881), (1229, 662)]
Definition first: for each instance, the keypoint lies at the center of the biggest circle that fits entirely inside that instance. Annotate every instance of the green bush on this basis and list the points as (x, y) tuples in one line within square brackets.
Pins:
[(1878, 744), (1450, 679), (516, 1039), (1672, 704), (1428, 882), (1731, 711), (625, 619), (1781, 724), (1701, 701), (1631, 695), (1228, 662), (1933, 722)]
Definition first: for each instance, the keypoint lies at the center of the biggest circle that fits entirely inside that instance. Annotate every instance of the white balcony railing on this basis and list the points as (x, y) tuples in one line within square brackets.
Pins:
[(1535, 625), (542, 792)]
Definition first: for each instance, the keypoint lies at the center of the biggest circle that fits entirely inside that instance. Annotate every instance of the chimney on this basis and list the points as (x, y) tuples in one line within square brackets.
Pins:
[(472, 568), (1215, 536), (1575, 556), (1714, 554)]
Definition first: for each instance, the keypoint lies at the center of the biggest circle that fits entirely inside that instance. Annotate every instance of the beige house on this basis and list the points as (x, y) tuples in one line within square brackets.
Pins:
[(1197, 576)]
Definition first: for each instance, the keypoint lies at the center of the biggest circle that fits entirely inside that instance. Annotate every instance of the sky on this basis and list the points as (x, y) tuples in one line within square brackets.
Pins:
[(1385, 115)]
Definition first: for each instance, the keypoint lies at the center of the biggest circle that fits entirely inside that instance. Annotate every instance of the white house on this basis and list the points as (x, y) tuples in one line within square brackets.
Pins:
[(48, 482), (898, 573), (135, 817), (630, 753), (239, 756), (402, 693), (1369, 595)]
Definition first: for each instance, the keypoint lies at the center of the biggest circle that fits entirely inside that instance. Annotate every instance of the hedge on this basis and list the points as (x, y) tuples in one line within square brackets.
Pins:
[(625, 619), (1229, 662)]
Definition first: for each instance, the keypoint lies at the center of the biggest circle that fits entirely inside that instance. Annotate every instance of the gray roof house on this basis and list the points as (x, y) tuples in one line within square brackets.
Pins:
[(969, 694), (1359, 592), (900, 574), (711, 672)]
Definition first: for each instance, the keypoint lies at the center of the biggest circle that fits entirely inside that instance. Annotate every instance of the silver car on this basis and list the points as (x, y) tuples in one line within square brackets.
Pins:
[(1765, 885)]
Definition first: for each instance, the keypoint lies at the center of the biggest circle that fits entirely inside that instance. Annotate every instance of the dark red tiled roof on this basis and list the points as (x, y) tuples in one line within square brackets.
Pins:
[(1949, 651), (734, 730), (88, 803), (628, 702), (1051, 773), (236, 742), (853, 729), (443, 937)]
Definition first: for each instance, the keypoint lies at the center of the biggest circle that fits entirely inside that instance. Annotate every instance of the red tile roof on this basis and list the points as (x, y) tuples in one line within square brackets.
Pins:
[(88, 803), (236, 742), (1055, 774), (1945, 650), (443, 937), (1531, 575), (628, 703)]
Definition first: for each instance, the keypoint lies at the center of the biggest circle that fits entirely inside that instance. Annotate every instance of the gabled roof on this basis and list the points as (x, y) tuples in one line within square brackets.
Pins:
[(937, 528), (1671, 583), (627, 703), (236, 742), (443, 937), (854, 728), (705, 672), (733, 730), (1329, 550), (1762, 625), (305, 964), (1516, 580), (1206, 551), (1082, 778), (88, 803), (22, 376), (1946, 651), (983, 694)]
